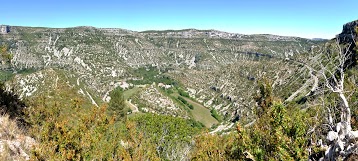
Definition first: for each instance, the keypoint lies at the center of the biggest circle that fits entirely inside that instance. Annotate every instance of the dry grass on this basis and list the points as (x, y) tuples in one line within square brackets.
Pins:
[(8, 128), (14, 145)]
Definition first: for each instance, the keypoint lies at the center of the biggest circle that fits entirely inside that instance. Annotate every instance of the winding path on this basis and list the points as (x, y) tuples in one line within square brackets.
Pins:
[(132, 106)]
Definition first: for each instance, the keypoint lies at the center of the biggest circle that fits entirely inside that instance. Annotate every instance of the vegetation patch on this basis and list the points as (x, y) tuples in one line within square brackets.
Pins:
[(148, 75), (215, 114)]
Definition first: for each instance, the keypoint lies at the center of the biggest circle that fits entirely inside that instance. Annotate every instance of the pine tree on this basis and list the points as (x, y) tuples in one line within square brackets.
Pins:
[(117, 104)]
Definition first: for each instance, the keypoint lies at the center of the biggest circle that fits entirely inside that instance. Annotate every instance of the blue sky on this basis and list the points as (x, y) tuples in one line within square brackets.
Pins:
[(303, 18)]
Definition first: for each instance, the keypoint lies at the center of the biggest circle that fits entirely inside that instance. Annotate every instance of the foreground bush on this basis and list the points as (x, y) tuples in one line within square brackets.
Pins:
[(279, 134), (172, 137), (68, 129)]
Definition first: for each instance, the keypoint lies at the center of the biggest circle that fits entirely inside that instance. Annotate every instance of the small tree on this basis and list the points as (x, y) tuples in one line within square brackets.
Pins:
[(264, 98), (117, 104), (5, 55)]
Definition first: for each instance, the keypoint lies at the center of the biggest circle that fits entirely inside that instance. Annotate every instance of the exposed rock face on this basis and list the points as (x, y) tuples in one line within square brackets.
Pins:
[(4, 29), (349, 36), (349, 32)]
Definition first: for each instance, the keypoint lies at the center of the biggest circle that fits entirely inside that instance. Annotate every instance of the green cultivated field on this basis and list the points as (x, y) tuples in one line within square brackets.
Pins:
[(200, 113), (130, 92)]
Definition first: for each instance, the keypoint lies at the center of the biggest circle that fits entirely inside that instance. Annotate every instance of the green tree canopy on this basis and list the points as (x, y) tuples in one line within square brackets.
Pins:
[(117, 105)]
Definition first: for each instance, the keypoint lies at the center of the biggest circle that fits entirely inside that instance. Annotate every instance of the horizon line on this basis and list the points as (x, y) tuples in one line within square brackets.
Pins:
[(148, 30)]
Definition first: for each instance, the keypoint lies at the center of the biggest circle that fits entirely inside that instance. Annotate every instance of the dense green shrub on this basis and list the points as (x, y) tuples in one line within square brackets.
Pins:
[(151, 74), (117, 106), (185, 102), (183, 93), (182, 100), (279, 134), (191, 106), (170, 135), (215, 114)]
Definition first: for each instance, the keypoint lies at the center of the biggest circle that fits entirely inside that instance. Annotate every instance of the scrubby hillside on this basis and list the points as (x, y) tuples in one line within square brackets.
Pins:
[(219, 70)]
